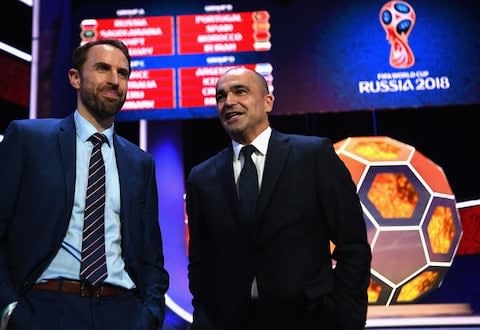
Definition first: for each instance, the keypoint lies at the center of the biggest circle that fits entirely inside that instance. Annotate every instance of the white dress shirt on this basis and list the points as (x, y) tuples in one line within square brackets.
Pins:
[(258, 157)]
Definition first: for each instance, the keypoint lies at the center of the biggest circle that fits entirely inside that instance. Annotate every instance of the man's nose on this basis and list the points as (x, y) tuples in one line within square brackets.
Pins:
[(113, 78), (230, 98)]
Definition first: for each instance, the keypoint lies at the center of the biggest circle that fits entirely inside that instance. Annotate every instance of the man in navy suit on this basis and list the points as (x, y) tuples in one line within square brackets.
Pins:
[(273, 270), (43, 183)]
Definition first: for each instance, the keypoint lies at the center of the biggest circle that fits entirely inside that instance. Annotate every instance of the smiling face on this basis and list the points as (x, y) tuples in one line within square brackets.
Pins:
[(101, 84), (243, 104)]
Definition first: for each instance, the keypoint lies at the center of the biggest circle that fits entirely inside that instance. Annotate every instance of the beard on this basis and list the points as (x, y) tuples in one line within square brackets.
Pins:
[(100, 106)]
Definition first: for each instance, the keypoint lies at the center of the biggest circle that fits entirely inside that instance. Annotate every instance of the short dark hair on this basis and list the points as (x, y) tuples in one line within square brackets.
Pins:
[(79, 56), (258, 76), (262, 81)]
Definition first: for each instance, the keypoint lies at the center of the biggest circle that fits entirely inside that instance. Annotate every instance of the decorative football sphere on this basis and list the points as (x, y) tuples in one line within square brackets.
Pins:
[(410, 212)]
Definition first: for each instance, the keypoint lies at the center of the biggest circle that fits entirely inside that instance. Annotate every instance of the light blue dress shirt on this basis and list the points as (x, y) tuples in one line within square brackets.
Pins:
[(66, 263)]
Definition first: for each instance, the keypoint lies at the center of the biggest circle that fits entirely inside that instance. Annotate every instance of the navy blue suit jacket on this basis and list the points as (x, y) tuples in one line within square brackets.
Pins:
[(37, 182), (307, 198)]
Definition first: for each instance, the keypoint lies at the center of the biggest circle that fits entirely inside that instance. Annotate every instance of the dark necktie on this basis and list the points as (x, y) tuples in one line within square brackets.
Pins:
[(93, 268), (248, 184)]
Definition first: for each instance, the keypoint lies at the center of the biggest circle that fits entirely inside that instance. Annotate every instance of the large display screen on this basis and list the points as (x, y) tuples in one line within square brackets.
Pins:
[(317, 57)]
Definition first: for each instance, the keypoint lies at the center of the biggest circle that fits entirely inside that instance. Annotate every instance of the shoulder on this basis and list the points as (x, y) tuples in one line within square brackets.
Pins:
[(309, 140), (34, 125), (303, 142), (35, 132), (210, 165), (129, 148)]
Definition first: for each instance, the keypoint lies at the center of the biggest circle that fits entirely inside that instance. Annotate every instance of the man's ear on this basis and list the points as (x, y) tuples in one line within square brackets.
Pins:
[(74, 77), (269, 102)]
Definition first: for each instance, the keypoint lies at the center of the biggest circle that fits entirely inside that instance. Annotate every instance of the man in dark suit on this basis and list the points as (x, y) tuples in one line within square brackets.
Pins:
[(272, 269), (48, 280)]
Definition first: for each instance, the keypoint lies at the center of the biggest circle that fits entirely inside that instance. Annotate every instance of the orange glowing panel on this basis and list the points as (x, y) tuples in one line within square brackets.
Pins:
[(332, 247), (378, 149), (431, 173), (339, 145), (355, 167), (441, 229), (374, 290), (393, 195), (417, 287)]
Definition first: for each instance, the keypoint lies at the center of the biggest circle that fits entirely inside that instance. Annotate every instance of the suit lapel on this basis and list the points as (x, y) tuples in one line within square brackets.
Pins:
[(68, 147), (124, 166), (278, 149), (224, 167)]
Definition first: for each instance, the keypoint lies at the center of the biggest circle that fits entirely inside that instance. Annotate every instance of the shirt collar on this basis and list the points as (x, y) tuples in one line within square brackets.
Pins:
[(85, 129), (260, 142)]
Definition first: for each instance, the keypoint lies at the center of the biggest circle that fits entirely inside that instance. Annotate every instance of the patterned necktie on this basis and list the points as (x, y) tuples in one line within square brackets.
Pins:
[(93, 268), (248, 184)]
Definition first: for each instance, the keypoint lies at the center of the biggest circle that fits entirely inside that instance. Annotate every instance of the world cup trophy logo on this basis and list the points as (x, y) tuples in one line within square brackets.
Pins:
[(397, 18)]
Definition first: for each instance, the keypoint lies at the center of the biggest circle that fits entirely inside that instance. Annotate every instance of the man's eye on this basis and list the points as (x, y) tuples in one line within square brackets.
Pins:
[(123, 74), (102, 68)]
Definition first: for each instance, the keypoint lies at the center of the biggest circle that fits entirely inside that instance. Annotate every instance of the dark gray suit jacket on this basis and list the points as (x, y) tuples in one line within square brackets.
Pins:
[(307, 198)]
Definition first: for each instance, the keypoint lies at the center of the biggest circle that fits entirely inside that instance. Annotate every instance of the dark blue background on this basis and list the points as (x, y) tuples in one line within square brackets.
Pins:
[(320, 51)]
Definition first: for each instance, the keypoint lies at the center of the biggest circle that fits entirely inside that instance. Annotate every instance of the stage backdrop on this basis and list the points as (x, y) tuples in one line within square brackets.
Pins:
[(329, 57)]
